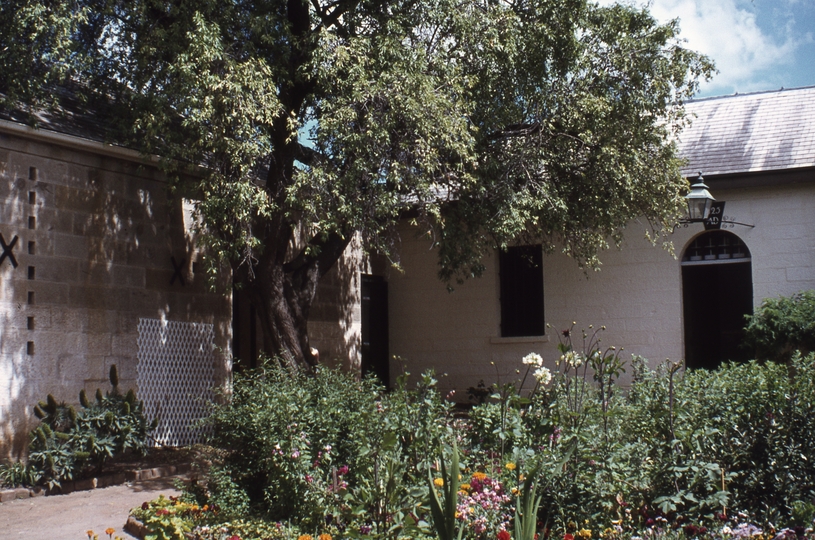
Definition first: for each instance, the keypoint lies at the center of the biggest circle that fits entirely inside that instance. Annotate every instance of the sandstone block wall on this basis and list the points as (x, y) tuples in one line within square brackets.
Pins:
[(96, 238)]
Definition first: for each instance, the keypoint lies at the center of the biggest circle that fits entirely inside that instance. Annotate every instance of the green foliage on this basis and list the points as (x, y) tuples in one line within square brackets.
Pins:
[(526, 509), (781, 326), (166, 519), (306, 447), (544, 119), (676, 450), (444, 509), (69, 443), (17, 473)]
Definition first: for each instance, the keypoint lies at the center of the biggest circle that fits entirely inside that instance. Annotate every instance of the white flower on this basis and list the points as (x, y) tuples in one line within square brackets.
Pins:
[(572, 359), (543, 375), (533, 359)]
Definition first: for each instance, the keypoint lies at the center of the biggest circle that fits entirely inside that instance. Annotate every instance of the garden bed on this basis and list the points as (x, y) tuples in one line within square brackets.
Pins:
[(157, 463)]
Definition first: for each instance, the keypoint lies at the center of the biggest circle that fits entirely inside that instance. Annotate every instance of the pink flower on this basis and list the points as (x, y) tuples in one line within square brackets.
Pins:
[(342, 470)]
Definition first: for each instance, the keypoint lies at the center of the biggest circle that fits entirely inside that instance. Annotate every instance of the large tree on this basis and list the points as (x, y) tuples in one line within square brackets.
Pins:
[(487, 121)]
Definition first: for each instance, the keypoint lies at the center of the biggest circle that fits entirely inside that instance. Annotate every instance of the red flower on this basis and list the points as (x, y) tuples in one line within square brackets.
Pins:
[(145, 505), (504, 535), (568, 536)]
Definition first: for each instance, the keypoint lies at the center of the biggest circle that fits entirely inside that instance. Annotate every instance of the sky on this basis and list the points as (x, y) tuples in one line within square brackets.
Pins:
[(756, 44)]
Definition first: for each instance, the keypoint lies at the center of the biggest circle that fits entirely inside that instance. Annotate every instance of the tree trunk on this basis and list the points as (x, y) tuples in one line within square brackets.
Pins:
[(283, 294)]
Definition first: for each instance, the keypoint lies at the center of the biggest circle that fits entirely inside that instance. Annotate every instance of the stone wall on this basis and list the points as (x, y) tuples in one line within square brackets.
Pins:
[(637, 294), (98, 241)]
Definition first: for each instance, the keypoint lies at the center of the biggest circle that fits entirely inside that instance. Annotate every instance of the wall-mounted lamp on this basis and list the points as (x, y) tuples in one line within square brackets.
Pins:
[(703, 208), (699, 200)]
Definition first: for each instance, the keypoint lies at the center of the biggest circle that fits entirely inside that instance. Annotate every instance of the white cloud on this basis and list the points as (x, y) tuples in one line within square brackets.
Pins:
[(727, 31)]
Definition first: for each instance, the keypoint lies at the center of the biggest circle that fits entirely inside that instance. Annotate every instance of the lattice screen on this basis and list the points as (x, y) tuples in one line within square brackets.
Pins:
[(175, 375)]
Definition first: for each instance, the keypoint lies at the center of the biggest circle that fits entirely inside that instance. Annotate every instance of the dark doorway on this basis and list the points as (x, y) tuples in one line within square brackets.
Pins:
[(375, 328), (244, 331), (717, 292)]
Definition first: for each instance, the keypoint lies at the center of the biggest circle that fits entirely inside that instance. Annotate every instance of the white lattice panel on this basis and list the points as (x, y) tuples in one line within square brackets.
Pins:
[(175, 375)]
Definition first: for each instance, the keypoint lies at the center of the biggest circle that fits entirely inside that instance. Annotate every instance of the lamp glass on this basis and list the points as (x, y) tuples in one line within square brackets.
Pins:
[(699, 201), (698, 209)]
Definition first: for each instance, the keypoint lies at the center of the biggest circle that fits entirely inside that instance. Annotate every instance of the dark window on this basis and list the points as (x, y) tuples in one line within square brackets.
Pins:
[(521, 275)]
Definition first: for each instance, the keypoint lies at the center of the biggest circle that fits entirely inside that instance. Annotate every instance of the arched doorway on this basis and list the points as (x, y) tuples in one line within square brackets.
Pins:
[(717, 292)]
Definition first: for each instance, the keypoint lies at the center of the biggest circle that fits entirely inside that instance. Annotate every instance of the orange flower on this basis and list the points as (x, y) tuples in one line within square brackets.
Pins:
[(325, 536), (109, 531), (479, 475), (89, 533), (304, 537)]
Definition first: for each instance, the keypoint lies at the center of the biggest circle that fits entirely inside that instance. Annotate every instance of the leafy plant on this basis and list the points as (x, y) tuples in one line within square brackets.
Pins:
[(69, 443), (527, 506), (444, 509), (781, 326), (167, 518), (18, 473)]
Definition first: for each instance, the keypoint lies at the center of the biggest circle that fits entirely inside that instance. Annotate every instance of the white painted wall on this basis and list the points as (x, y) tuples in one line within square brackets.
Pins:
[(637, 294)]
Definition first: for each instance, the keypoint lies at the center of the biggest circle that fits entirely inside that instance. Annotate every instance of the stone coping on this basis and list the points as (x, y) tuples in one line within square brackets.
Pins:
[(95, 483)]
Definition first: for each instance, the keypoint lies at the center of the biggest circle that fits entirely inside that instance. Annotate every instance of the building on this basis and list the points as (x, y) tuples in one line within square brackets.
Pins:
[(757, 154), (98, 266)]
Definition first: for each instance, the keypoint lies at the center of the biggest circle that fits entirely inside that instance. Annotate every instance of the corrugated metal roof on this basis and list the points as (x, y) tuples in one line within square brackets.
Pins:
[(764, 131)]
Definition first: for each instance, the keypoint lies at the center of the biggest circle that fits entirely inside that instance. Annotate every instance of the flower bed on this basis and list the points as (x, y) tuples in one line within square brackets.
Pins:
[(723, 454)]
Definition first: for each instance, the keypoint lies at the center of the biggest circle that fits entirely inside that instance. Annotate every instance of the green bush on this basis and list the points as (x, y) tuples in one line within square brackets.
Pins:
[(330, 454), (322, 446), (781, 326), (69, 444)]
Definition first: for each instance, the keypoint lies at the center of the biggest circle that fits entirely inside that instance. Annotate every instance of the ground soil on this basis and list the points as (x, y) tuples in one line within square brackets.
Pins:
[(71, 516)]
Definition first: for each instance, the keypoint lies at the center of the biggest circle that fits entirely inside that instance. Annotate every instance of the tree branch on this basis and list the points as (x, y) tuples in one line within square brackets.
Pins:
[(515, 130), (328, 251), (307, 155)]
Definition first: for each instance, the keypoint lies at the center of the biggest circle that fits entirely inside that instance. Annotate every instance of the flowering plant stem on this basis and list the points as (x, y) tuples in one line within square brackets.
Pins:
[(444, 512), (526, 515)]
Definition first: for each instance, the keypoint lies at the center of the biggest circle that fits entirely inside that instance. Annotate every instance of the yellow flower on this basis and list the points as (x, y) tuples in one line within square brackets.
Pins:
[(510, 466), (438, 482), (464, 487), (584, 533), (325, 536), (514, 491), (479, 475), (521, 478)]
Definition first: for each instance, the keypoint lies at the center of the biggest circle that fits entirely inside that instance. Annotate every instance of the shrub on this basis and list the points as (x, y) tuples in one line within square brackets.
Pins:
[(69, 443), (321, 446), (782, 325), (330, 454)]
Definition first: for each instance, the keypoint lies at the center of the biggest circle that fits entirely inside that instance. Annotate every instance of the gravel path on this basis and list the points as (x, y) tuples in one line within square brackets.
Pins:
[(68, 517)]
